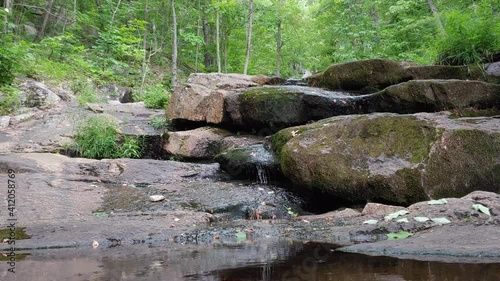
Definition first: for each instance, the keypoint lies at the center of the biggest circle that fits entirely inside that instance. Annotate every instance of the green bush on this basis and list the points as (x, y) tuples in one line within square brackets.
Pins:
[(159, 122), (156, 97), (7, 65), (97, 137), (9, 99), (471, 37)]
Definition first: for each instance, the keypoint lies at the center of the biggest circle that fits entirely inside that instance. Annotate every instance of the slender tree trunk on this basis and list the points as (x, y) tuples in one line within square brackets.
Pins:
[(41, 31), (74, 13), (198, 32), (174, 45), (116, 11), (437, 16), (145, 61), (278, 42), (217, 23), (207, 60), (249, 37), (7, 4)]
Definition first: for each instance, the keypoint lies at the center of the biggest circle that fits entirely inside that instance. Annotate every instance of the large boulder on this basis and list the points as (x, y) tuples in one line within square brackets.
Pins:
[(366, 75), (266, 110), (436, 95), (464, 72), (37, 94), (201, 143), (201, 99), (401, 159)]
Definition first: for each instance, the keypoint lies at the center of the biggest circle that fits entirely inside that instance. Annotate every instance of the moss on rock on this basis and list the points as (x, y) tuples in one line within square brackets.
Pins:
[(392, 158), (367, 75)]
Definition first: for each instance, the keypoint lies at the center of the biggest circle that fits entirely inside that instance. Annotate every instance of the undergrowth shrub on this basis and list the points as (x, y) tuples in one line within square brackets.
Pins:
[(9, 99), (97, 138), (156, 97), (471, 37)]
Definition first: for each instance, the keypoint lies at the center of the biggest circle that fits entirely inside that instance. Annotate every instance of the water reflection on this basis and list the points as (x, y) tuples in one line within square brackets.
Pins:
[(275, 260)]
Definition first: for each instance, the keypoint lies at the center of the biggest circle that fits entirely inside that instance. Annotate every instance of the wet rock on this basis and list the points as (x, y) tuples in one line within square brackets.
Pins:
[(266, 110), (254, 162), (394, 158), (366, 75), (201, 99), (436, 95), (37, 94), (201, 143)]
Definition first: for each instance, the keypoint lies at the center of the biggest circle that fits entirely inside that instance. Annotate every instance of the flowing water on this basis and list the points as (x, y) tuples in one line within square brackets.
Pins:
[(250, 260)]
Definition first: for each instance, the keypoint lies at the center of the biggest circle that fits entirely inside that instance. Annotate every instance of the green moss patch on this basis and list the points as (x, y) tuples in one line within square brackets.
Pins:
[(20, 233)]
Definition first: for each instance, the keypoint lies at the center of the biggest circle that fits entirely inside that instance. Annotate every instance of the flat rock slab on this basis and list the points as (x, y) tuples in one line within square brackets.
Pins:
[(459, 242)]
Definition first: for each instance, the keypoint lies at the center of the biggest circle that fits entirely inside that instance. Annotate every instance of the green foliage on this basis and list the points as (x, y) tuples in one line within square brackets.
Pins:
[(7, 61), (159, 122), (9, 99), (156, 97), (472, 36), (131, 148), (85, 92), (97, 138)]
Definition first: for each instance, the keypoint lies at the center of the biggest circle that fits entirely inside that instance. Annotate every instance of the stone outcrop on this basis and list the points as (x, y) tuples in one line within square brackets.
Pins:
[(367, 75), (201, 99), (393, 158), (436, 95), (201, 143), (37, 94), (268, 109)]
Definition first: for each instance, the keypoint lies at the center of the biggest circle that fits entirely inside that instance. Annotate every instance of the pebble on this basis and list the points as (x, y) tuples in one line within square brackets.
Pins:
[(156, 198)]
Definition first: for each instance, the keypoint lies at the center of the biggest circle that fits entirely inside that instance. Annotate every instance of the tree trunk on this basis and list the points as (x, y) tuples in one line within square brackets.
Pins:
[(7, 4), (174, 45), (437, 16), (198, 32), (116, 11), (206, 38), (217, 23), (41, 31), (249, 37), (278, 43), (145, 61)]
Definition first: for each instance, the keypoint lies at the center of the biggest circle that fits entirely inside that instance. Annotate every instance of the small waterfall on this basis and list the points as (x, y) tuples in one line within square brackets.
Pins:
[(262, 174)]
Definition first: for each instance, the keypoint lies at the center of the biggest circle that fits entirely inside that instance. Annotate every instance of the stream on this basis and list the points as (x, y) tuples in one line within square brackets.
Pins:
[(249, 261)]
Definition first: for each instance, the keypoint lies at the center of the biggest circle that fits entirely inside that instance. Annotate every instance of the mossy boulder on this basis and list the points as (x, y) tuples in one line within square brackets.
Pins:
[(464, 72), (266, 110), (201, 99), (400, 159), (436, 95), (365, 75)]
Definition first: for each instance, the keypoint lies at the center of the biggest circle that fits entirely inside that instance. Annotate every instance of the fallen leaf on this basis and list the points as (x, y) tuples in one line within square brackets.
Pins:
[(399, 235), (437, 202), (441, 220), (395, 215), (100, 214), (95, 244), (421, 219), (403, 220), (177, 219), (370, 222), (481, 208), (241, 236)]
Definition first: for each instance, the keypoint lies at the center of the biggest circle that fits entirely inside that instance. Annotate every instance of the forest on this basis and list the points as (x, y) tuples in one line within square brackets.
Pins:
[(150, 45)]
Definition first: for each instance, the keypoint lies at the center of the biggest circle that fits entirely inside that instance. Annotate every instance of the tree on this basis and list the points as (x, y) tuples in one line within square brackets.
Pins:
[(46, 16), (249, 37), (219, 68), (435, 12), (278, 41), (174, 45)]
